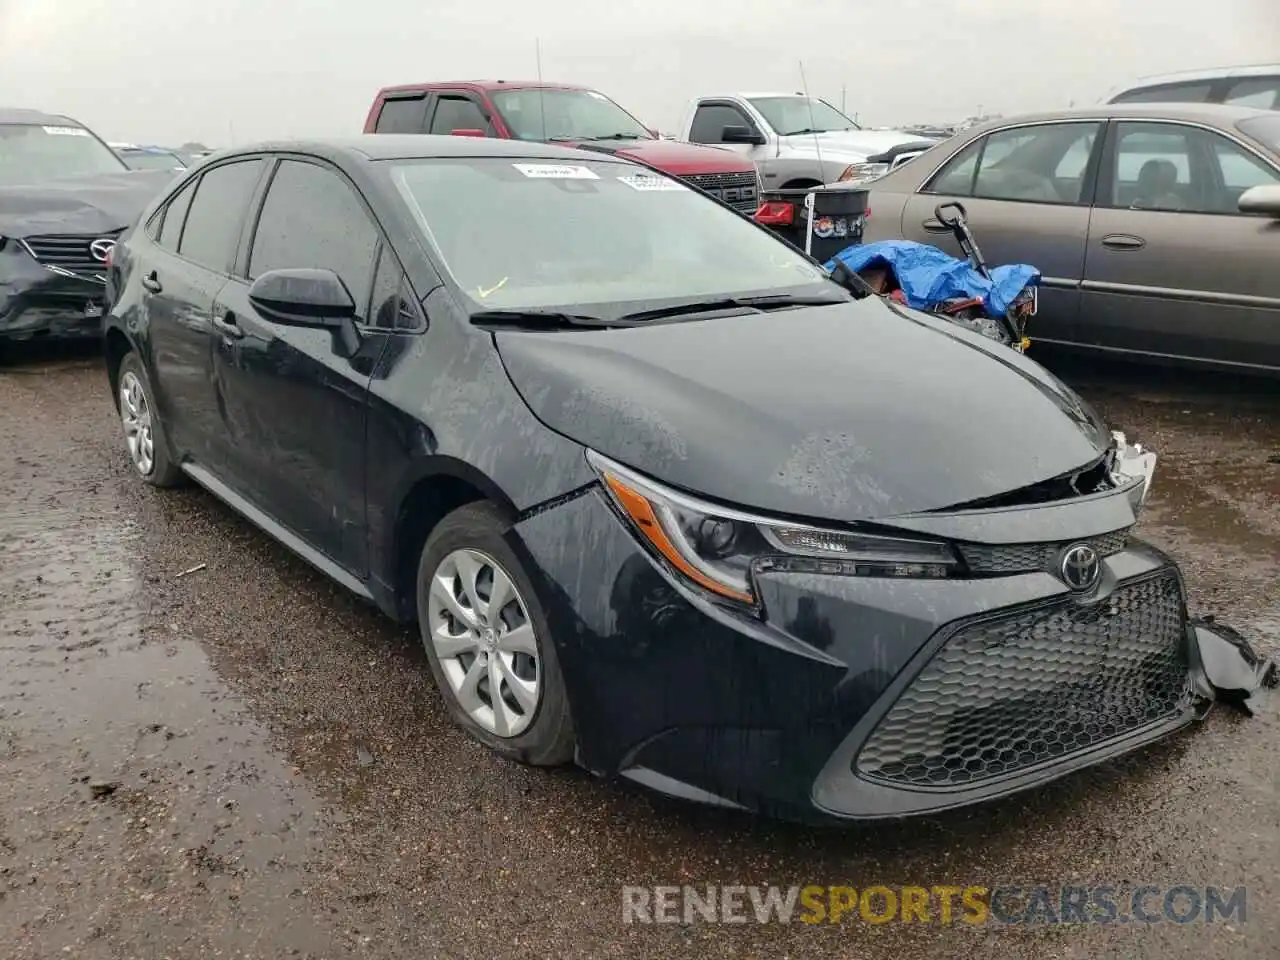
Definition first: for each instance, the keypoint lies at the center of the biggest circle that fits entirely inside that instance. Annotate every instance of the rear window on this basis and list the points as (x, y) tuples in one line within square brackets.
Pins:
[(32, 153), (519, 234), (1265, 130)]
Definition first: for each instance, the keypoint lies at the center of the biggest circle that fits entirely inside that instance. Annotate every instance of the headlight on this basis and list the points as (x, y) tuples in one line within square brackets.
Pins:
[(863, 171), (720, 549)]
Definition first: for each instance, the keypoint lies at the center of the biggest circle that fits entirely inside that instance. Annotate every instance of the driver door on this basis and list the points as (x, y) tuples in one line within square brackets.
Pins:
[(1027, 192), (294, 405), (709, 121)]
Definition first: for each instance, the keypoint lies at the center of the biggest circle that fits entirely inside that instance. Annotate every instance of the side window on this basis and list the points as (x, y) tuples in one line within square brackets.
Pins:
[(1238, 171), (217, 213), (174, 215), (313, 218), (391, 304), (1043, 164), (710, 120), (457, 113), (1179, 168), (1194, 92), (402, 115), (955, 179), (1152, 167), (1260, 92)]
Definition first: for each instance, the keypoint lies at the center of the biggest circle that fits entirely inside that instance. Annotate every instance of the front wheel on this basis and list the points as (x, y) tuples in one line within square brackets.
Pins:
[(487, 640), (144, 434)]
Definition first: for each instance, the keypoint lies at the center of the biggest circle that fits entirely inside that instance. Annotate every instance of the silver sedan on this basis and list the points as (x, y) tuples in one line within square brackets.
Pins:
[(1156, 226)]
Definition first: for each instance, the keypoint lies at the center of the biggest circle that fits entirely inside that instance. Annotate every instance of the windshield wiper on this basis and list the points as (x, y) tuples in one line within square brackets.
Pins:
[(538, 319), (620, 136), (761, 303)]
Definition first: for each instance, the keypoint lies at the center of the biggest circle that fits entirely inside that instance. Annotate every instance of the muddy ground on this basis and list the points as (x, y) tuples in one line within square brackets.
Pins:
[(288, 784)]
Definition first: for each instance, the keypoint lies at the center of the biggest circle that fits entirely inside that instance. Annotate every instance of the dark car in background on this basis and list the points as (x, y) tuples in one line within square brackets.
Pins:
[(662, 496), (64, 198), (1150, 223)]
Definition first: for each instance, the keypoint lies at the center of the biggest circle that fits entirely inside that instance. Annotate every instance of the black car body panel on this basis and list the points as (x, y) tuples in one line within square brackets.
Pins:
[(713, 407), (349, 453)]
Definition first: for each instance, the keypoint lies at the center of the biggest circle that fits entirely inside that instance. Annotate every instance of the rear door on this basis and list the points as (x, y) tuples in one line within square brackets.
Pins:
[(196, 245), (1026, 190), (1173, 267), (293, 405)]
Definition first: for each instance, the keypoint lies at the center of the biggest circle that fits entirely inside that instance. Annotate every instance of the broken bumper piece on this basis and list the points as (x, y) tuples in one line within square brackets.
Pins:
[(1225, 668)]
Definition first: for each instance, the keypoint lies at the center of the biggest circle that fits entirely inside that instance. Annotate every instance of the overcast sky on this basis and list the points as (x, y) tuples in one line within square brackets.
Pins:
[(232, 71)]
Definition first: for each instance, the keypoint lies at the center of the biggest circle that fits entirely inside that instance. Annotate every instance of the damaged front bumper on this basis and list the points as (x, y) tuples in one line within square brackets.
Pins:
[(1224, 667), (38, 300)]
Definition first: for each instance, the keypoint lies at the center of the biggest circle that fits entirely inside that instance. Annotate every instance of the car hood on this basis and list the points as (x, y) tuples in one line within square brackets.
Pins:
[(849, 412), (673, 156), (79, 205), (847, 144)]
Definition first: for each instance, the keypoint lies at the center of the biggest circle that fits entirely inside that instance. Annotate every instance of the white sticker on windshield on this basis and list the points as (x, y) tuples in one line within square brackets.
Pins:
[(555, 171), (66, 131), (645, 182)]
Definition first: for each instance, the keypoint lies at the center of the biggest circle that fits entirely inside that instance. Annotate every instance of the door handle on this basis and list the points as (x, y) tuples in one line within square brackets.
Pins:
[(935, 226), (152, 282), (1123, 241), (227, 326)]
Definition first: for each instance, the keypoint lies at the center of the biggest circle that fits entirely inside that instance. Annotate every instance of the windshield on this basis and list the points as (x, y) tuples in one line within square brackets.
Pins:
[(569, 115), (140, 160), (533, 234), (32, 153), (790, 115), (1266, 130)]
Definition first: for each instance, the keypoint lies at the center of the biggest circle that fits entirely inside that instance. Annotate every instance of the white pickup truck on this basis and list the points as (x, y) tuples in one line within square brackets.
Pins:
[(797, 141)]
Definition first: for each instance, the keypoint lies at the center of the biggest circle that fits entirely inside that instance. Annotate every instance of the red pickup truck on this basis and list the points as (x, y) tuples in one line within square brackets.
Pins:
[(560, 113)]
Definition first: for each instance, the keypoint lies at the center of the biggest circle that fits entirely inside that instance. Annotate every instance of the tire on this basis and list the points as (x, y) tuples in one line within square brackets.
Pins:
[(159, 469), (472, 539)]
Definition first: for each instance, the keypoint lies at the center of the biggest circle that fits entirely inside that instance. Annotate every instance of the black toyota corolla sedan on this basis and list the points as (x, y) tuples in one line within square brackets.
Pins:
[(662, 496)]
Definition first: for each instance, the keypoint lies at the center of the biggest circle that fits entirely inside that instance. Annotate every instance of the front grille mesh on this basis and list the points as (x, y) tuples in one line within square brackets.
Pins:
[(68, 252), (738, 190), (1008, 694), (1028, 557)]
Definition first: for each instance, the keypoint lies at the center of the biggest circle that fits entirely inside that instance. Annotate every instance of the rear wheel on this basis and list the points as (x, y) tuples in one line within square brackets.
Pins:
[(487, 640), (144, 434)]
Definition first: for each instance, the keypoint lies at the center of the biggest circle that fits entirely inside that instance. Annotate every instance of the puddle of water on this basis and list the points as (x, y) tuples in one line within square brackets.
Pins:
[(205, 828)]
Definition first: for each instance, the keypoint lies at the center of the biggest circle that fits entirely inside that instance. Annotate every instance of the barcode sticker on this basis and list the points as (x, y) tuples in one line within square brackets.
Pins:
[(66, 131), (644, 182)]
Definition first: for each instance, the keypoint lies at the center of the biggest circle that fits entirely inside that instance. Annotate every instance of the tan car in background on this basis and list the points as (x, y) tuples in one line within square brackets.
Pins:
[(1133, 214)]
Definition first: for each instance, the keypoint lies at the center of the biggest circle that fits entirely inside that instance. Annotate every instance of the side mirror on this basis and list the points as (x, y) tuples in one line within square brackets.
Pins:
[(1264, 200), (466, 132), (305, 297), (735, 133)]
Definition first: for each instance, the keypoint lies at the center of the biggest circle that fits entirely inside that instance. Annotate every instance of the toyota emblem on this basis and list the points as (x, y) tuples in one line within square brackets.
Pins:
[(1080, 568), (101, 249)]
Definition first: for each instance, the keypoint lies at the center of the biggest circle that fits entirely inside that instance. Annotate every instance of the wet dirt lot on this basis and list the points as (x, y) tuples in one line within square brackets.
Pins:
[(242, 761)]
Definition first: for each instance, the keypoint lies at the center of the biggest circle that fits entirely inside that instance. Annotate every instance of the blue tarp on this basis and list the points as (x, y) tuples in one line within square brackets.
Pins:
[(928, 276)]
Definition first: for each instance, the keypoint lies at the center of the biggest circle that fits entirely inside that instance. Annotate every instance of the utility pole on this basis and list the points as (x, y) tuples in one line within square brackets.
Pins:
[(842, 91)]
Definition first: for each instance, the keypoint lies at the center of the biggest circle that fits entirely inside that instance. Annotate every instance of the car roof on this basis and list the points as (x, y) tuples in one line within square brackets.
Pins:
[(1211, 113), (1204, 73), (413, 146), (22, 115), (486, 85)]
